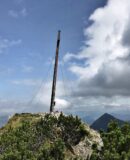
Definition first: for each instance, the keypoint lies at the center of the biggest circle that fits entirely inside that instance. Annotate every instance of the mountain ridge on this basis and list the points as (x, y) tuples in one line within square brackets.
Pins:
[(102, 122)]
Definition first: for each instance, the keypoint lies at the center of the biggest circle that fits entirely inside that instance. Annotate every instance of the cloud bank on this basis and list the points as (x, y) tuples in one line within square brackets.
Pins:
[(106, 51)]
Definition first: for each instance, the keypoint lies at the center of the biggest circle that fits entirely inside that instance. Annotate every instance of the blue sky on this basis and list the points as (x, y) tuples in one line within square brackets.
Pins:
[(33, 26), (94, 55)]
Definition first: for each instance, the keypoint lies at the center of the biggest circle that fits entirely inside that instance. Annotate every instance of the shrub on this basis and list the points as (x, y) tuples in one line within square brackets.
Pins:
[(116, 143)]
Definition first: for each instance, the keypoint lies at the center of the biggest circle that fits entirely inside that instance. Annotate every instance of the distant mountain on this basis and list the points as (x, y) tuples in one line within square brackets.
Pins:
[(103, 121), (3, 120)]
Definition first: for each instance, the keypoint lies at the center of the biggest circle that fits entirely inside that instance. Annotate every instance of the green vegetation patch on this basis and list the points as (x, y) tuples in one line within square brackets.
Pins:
[(116, 143), (33, 137)]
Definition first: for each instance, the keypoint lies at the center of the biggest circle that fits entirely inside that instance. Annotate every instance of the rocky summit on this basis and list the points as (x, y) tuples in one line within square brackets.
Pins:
[(46, 136)]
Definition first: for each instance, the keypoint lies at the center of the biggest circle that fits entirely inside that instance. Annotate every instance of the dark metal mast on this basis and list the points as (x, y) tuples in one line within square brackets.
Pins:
[(55, 74)]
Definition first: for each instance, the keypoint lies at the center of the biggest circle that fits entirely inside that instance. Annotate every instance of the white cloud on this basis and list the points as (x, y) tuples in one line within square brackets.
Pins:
[(23, 12), (26, 82), (104, 50), (11, 106), (18, 13), (70, 56), (62, 104), (13, 14), (106, 71), (27, 69), (44, 96), (6, 43)]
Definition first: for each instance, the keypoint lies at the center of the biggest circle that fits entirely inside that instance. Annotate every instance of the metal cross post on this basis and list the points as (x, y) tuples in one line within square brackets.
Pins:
[(55, 74)]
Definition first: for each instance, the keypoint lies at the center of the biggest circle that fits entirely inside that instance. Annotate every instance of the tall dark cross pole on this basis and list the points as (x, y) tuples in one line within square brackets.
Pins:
[(55, 74)]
